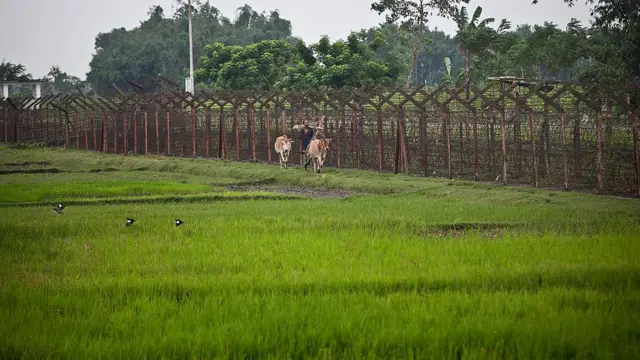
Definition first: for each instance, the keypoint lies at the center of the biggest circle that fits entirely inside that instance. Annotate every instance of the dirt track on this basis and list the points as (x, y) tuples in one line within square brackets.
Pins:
[(302, 191)]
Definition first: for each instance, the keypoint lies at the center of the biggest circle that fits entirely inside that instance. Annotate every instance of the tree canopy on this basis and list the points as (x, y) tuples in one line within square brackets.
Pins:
[(257, 50), (276, 63), (159, 46)]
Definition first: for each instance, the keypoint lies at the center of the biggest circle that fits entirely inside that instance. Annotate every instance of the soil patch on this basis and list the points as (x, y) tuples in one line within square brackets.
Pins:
[(300, 191), (26, 163)]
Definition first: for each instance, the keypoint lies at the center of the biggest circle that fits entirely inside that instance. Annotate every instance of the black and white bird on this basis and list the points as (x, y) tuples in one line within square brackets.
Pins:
[(59, 208), (130, 221), (179, 222)]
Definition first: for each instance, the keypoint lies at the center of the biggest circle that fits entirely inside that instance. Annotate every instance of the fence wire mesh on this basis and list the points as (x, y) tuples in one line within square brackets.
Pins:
[(563, 137)]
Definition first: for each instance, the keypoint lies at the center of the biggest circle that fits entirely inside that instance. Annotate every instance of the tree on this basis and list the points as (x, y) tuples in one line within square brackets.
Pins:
[(619, 22), (13, 72), (274, 63), (390, 44), (59, 82), (413, 17), (475, 37), (255, 66), (160, 46)]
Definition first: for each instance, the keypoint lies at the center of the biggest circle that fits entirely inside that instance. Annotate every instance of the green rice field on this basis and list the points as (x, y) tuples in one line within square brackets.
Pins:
[(285, 264)]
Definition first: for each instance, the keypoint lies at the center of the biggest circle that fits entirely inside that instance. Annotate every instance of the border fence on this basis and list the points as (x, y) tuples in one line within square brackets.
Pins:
[(552, 135)]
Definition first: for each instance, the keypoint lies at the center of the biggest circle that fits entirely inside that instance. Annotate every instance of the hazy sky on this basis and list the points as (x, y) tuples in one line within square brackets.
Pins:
[(63, 31)]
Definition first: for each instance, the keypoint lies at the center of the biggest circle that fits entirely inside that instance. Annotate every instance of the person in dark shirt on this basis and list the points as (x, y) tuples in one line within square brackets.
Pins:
[(306, 134)]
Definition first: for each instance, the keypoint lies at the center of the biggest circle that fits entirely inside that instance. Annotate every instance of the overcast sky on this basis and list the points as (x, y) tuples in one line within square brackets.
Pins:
[(63, 31)]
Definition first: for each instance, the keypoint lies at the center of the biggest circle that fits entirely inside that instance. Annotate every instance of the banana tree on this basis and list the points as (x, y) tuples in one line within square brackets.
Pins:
[(475, 37), (448, 78)]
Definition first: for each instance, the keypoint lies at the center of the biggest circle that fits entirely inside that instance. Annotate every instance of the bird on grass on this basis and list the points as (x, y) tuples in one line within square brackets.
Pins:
[(179, 222), (59, 208), (130, 221)]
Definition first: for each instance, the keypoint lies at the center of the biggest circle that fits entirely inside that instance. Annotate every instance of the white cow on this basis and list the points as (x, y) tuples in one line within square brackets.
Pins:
[(283, 148)]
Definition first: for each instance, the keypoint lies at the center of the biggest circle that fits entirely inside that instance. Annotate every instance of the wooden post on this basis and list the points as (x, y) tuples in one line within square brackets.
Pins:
[(181, 118), (283, 122), (104, 136), (403, 142), (380, 142), (396, 159), (599, 147), (18, 125), (564, 150), (340, 133), (299, 111), (504, 148), (268, 106), (634, 124), (146, 133), (4, 119), (518, 144), (168, 133), (253, 132), (423, 142), (75, 121), (544, 139), (115, 132), (533, 148), (475, 145), (93, 126), (207, 116), (492, 140), (237, 131), (157, 133), (355, 125), (47, 113), (221, 134), (86, 133), (135, 131), (460, 156), (194, 126), (445, 124), (125, 133), (6, 127), (67, 142), (577, 148)]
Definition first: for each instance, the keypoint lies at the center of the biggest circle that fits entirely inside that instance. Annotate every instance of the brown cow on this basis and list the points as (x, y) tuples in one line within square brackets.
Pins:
[(283, 148), (317, 151)]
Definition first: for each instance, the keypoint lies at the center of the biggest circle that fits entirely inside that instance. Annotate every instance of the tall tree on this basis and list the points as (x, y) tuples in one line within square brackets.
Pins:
[(59, 82), (475, 37), (619, 21), (413, 16), (160, 44), (255, 66)]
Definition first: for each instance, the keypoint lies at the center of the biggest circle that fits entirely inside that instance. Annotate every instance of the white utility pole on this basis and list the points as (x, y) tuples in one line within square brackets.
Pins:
[(193, 85)]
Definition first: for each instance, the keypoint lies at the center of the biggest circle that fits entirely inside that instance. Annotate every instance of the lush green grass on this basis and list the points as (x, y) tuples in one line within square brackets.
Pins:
[(409, 268)]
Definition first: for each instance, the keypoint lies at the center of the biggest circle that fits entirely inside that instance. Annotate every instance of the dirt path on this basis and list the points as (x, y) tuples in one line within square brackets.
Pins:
[(302, 191)]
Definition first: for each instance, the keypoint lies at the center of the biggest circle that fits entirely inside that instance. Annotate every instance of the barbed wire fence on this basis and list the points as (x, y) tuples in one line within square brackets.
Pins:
[(550, 135)]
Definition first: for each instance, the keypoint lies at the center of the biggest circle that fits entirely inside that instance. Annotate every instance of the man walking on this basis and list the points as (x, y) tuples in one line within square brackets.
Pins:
[(306, 134)]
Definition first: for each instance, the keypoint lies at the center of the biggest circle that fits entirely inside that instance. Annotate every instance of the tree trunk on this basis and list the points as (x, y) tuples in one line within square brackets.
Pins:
[(414, 56), (467, 72)]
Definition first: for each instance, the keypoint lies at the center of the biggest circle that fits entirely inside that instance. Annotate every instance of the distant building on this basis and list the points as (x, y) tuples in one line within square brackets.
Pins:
[(37, 84)]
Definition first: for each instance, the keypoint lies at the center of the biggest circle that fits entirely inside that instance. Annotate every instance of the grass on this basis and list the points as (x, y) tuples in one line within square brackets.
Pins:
[(406, 268)]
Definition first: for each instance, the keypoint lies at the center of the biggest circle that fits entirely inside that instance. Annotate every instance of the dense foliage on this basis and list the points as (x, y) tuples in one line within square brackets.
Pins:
[(160, 44), (273, 63), (257, 50)]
